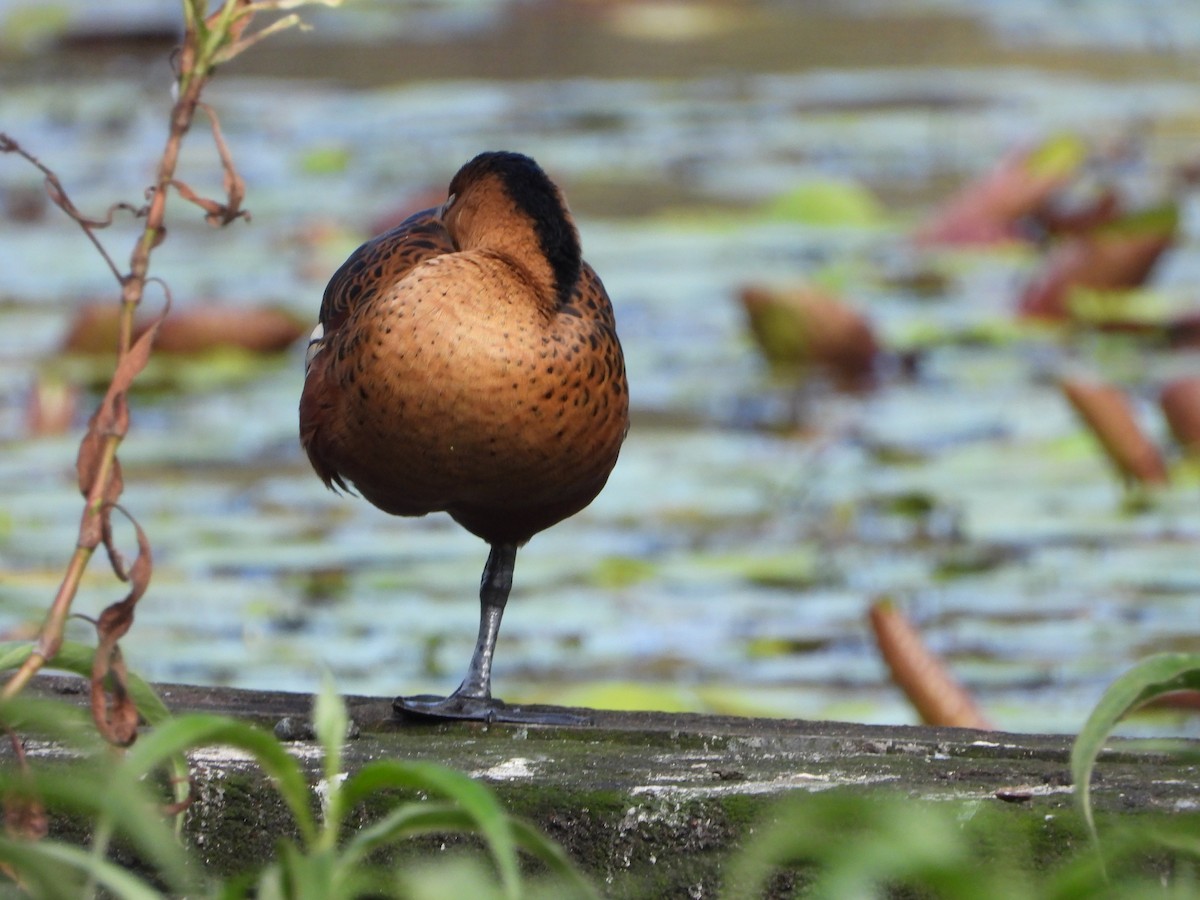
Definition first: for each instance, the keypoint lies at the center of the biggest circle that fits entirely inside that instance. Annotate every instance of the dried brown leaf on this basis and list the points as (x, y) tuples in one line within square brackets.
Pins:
[(1107, 412), (235, 187), (25, 815), (113, 710), (1180, 401), (58, 195), (925, 680), (215, 213), (196, 330), (111, 420)]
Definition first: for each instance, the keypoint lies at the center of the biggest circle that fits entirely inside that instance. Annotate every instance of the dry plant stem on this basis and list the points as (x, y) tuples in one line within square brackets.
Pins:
[(133, 287)]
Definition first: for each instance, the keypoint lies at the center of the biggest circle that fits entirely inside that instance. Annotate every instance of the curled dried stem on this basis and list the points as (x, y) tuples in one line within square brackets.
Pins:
[(208, 40)]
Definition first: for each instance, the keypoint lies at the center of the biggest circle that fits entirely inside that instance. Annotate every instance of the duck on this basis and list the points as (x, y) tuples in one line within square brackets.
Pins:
[(467, 362)]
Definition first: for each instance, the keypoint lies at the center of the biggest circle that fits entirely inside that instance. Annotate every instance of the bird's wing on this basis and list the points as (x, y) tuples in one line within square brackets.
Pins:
[(381, 262)]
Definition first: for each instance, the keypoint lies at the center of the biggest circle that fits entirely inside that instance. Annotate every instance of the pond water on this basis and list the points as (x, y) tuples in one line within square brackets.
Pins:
[(729, 564)]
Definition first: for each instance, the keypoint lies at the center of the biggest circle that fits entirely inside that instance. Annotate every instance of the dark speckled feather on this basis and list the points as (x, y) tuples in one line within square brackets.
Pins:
[(381, 261)]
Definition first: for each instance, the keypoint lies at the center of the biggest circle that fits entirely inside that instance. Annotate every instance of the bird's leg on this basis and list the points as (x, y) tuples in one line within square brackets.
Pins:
[(493, 594), (473, 699)]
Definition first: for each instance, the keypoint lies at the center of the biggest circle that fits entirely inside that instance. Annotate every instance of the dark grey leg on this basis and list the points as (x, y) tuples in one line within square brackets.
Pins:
[(473, 700), (493, 595)]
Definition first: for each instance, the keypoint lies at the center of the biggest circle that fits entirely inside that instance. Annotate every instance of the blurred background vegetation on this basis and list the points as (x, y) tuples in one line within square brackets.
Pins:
[(914, 182)]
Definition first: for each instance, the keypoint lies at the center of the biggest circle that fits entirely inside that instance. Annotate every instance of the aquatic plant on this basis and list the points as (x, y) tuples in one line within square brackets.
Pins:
[(118, 797)]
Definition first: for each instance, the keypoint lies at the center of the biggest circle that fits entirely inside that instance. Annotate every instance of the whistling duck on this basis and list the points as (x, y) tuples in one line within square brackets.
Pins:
[(467, 361)]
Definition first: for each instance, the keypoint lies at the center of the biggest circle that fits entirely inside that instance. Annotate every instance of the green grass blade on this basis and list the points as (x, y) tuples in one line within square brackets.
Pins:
[(57, 720), (552, 855), (415, 819), (330, 721), (136, 816), (855, 845), (1150, 678), (77, 658), (54, 857), (476, 800), (201, 729), (407, 821), (99, 788), (42, 875)]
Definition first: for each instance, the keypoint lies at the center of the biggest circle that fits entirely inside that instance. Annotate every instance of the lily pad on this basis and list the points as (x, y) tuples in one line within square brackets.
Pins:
[(827, 202)]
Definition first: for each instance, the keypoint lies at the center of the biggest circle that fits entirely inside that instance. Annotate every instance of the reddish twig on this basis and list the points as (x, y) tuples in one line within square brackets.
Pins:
[(99, 470), (58, 195)]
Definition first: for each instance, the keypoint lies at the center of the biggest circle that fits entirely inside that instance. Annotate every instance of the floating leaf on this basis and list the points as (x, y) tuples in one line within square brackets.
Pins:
[(200, 329), (1056, 157), (28, 26), (627, 696), (827, 202), (621, 572), (325, 161), (989, 209), (804, 325), (771, 647), (798, 568), (1135, 309), (1119, 254)]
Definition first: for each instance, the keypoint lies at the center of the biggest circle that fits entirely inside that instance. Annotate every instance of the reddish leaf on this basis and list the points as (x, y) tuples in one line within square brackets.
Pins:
[(804, 326), (206, 328), (1180, 401), (197, 330), (929, 686), (1185, 700), (95, 328), (988, 209), (112, 708), (1107, 412), (1066, 215), (1121, 254), (25, 816)]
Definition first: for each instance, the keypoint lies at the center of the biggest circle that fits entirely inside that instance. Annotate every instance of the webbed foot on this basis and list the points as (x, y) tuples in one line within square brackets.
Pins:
[(457, 707)]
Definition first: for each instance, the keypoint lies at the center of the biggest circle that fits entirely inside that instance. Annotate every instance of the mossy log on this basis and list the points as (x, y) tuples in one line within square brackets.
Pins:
[(651, 804)]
